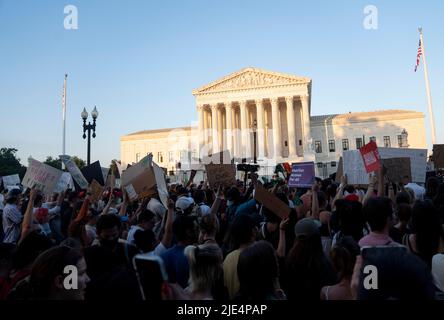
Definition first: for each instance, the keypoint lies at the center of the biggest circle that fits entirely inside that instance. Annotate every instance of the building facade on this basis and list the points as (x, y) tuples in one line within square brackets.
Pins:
[(267, 114)]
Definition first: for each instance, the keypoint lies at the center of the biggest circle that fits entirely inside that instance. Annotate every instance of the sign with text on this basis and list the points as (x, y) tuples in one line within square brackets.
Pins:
[(41, 176), (357, 175), (302, 175), (398, 169), (438, 155), (223, 175), (11, 180), (96, 191), (162, 189), (370, 156), (63, 183), (271, 202), (75, 172)]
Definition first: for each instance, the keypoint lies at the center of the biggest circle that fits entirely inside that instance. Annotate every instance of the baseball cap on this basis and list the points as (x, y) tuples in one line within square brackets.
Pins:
[(305, 228), (183, 203)]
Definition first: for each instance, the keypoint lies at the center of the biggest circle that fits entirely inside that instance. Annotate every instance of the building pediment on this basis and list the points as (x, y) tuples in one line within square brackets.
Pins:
[(251, 78)]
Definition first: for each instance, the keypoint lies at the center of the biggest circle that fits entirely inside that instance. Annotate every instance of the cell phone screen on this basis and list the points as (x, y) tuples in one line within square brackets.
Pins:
[(151, 277)]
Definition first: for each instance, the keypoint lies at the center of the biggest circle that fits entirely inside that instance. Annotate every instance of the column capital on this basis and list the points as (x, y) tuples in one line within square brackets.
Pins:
[(200, 107), (289, 99), (242, 103), (228, 104), (259, 101), (214, 106), (274, 101)]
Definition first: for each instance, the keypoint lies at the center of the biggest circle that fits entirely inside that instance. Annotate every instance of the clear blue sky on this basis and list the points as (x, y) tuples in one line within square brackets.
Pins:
[(138, 61)]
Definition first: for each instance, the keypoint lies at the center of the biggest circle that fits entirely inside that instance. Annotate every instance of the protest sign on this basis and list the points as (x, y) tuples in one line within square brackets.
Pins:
[(223, 175), (41, 176), (397, 169), (356, 173), (75, 172), (271, 202), (438, 155), (96, 190), (302, 175), (63, 182), (139, 179), (93, 171), (340, 171), (162, 190), (11, 180), (370, 156)]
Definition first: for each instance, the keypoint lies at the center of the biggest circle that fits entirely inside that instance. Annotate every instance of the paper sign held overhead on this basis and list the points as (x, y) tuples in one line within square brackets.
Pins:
[(397, 169), (223, 175), (93, 171), (271, 202), (75, 172), (370, 157), (41, 176), (11, 180), (438, 155), (302, 175), (63, 182), (96, 191)]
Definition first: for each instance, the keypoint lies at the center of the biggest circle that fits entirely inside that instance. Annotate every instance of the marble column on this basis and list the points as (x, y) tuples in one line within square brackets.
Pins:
[(243, 128), (276, 128), (214, 132), (306, 123), (260, 127), (228, 117), (291, 127)]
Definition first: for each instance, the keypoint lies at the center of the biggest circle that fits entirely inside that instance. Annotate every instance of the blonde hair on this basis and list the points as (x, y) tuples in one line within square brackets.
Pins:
[(205, 262)]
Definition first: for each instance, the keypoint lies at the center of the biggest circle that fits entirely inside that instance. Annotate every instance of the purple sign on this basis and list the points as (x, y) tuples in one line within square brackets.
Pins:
[(302, 175)]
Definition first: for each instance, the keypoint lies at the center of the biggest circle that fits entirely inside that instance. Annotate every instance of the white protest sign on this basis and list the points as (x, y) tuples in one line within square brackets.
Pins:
[(41, 176), (355, 170), (63, 182), (75, 172), (161, 184), (11, 180)]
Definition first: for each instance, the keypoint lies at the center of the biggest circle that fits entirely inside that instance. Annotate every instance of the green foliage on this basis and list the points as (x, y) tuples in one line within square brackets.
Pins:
[(10, 164), (53, 162), (79, 162)]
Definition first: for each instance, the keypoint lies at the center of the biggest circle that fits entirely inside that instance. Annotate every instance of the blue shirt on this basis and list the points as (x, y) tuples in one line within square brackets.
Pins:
[(176, 265)]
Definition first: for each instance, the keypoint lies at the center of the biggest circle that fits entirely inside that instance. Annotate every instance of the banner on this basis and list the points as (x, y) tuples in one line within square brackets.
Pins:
[(271, 202), (41, 176), (223, 175), (63, 183), (397, 169), (302, 175), (93, 171), (75, 172), (356, 173), (370, 156), (438, 156), (11, 180)]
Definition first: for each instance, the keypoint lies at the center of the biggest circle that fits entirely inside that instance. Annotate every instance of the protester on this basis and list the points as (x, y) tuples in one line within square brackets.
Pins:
[(12, 217)]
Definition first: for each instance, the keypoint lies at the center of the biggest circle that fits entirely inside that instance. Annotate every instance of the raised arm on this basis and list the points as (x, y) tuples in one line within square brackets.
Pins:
[(381, 180), (108, 204), (192, 175), (280, 252), (27, 219), (371, 188), (83, 210), (217, 202), (340, 191), (314, 202)]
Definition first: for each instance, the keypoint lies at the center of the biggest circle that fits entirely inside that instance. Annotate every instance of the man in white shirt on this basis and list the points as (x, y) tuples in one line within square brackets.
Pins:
[(12, 217), (145, 221), (417, 190)]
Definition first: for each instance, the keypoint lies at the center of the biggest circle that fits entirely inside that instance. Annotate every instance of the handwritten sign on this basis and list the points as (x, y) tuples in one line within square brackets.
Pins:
[(96, 191), (75, 172), (41, 176), (302, 175), (398, 169), (271, 202), (438, 155), (11, 180), (357, 175), (223, 175), (63, 182)]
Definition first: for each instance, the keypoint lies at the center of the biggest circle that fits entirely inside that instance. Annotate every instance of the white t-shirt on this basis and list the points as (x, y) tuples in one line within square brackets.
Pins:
[(131, 233), (438, 270), (417, 190)]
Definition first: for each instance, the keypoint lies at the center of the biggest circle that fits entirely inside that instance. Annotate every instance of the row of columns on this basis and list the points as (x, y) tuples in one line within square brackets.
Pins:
[(222, 126)]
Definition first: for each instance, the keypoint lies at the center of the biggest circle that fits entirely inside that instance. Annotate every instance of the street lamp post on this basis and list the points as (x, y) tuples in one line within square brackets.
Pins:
[(88, 127)]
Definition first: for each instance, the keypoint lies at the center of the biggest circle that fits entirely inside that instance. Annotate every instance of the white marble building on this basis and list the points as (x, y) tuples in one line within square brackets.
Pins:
[(277, 108)]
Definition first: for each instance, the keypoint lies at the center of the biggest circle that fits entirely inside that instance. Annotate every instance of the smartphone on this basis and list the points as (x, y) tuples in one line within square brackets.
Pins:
[(152, 276)]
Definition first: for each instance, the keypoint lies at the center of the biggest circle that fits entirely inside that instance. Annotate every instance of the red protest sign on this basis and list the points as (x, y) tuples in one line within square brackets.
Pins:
[(370, 156)]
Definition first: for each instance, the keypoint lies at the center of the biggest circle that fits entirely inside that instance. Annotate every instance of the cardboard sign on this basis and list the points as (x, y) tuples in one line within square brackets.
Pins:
[(162, 189), (438, 155), (131, 192), (142, 179), (75, 172), (398, 169), (357, 175), (63, 182), (223, 157), (11, 180), (271, 202), (96, 191), (41, 176), (223, 175), (302, 175), (340, 171), (370, 156), (93, 171)]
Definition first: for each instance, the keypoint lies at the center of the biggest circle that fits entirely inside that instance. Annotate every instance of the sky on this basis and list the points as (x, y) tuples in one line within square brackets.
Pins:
[(138, 62)]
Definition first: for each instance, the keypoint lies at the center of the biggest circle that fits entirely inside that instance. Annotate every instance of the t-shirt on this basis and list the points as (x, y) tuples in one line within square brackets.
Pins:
[(132, 232), (417, 189), (176, 265), (438, 270), (376, 239), (231, 280), (2, 198), (12, 219)]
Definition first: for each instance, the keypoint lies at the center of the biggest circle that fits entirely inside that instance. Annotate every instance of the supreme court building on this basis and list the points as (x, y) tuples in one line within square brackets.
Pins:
[(269, 112)]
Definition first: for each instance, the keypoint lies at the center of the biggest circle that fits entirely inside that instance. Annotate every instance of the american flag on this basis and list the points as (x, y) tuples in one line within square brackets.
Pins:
[(418, 56)]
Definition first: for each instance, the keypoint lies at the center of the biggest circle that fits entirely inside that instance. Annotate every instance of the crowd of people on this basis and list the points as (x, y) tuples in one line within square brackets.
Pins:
[(222, 244)]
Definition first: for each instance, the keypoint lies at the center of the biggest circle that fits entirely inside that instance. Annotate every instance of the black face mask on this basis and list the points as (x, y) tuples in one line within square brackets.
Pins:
[(109, 244)]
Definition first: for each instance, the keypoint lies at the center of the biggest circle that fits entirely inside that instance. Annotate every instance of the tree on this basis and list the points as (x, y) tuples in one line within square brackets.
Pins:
[(10, 164), (53, 162), (79, 162)]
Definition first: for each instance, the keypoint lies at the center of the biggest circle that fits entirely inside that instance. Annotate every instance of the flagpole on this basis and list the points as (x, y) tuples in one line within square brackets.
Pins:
[(64, 116), (429, 95)]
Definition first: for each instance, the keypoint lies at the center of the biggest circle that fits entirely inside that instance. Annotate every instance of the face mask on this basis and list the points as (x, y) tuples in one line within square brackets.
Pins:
[(229, 202)]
